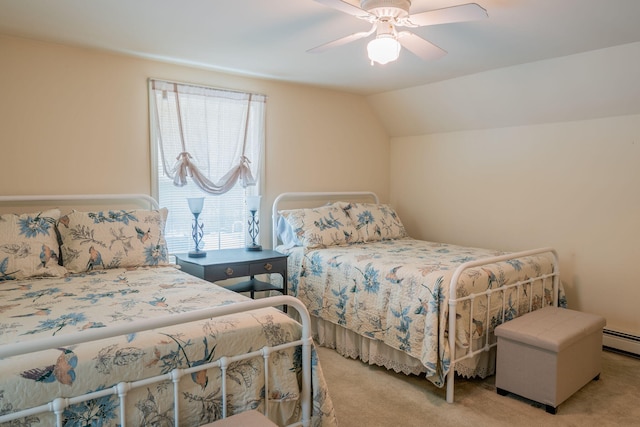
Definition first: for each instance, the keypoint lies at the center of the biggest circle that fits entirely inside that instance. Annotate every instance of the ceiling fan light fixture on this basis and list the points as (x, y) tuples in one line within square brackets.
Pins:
[(383, 49)]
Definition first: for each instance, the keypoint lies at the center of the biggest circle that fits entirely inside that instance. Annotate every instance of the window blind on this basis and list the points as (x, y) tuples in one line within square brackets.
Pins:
[(212, 123)]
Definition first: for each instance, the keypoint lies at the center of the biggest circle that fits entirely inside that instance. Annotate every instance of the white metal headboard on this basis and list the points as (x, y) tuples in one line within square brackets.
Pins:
[(313, 195), (80, 197)]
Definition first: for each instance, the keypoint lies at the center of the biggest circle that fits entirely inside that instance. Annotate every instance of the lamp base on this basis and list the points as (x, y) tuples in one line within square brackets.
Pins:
[(197, 254), (254, 247)]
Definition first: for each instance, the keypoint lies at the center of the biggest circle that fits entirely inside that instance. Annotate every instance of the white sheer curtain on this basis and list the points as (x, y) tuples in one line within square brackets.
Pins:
[(211, 136), (205, 142)]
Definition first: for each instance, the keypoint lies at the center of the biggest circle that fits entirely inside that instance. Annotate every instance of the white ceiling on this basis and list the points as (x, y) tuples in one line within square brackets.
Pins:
[(269, 38)]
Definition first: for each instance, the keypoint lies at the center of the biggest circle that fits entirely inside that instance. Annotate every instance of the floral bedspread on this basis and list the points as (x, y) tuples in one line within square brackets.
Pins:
[(35, 308), (396, 291)]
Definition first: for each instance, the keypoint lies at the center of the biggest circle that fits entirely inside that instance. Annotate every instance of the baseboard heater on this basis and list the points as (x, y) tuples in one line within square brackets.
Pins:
[(620, 341)]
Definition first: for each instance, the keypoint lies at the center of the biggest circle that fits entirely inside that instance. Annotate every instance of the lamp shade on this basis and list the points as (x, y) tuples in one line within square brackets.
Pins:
[(383, 49), (253, 203), (195, 204)]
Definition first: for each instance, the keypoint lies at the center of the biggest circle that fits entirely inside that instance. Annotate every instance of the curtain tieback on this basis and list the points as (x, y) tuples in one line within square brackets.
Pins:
[(184, 154)]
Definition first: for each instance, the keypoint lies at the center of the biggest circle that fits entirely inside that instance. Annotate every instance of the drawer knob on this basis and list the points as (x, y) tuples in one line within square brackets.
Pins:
[(268, 267), (229, 271)]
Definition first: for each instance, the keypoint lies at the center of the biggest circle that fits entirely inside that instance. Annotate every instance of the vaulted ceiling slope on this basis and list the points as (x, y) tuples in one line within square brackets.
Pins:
[(270, 38), (583, 86)]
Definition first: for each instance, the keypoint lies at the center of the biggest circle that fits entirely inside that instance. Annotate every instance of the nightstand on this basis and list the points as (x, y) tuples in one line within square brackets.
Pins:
[(229, 263)]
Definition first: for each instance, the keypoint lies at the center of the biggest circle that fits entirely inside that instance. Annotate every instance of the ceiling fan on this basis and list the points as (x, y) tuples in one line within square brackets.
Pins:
[(386, 15)]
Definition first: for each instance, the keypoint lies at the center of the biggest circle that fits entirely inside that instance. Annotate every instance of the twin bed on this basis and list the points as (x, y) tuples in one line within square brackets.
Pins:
[(116, 335), (412, 306)]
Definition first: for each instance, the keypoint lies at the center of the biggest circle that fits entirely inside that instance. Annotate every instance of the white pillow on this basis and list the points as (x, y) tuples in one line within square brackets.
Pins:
[(286, 234)]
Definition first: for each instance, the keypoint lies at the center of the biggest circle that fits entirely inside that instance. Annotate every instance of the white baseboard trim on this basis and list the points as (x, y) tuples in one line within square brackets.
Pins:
[(621, 341)]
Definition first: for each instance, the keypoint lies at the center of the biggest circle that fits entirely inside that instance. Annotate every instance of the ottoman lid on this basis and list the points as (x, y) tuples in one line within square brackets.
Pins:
[(551, 328)]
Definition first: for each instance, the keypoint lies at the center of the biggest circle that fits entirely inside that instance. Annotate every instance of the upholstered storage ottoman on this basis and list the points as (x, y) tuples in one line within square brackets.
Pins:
[(548, 354)]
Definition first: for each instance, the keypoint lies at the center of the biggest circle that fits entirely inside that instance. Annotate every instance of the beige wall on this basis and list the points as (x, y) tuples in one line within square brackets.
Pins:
[(533, 155), (573, 186), (76, 121)]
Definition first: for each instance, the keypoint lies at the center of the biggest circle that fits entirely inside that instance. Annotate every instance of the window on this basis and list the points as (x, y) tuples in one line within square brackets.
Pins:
[(210, 142)]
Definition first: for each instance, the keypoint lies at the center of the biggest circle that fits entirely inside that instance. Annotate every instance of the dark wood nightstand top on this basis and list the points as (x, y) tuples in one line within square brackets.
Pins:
[(231, 256)]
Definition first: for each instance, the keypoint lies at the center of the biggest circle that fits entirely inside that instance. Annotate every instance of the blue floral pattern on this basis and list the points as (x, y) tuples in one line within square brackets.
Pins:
[(32, 309), (321, 227), (374, 221), (32, 227), (113, 239), (339, 223), (395, 291), (29, 246)]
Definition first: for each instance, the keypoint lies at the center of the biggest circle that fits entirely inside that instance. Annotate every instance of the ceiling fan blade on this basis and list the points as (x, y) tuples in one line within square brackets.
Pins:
[(419, 46), (340, 42), (461, 13), (345, 7)]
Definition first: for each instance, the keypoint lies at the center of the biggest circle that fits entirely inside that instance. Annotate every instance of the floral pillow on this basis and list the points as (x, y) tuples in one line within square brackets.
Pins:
[(321, 227), (29, 246), (375, 222), (113, 239)]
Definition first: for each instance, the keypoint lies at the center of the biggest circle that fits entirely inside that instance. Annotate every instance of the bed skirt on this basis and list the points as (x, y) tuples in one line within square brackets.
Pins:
[(350, 344)]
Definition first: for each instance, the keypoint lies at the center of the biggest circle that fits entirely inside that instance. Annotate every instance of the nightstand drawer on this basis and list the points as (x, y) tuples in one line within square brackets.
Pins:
[(222, 272), (264, 267)]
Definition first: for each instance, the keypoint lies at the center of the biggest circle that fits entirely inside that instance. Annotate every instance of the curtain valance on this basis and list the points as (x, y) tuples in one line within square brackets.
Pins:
[(209, 135)]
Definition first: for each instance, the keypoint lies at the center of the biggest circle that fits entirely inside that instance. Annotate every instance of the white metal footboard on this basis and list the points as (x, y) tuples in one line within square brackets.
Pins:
[(518, 286), (58, 405)]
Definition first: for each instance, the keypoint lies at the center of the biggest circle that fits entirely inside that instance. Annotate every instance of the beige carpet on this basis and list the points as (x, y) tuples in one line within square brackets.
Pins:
[(366, 395)]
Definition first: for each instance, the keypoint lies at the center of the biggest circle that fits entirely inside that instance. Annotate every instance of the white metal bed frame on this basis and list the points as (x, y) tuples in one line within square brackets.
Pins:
[(145, 198), (58, 405), (453, 302)]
